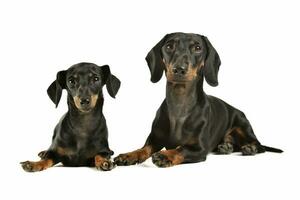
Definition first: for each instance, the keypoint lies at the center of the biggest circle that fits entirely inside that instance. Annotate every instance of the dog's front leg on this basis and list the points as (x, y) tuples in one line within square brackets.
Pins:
[(48, 159), (134, 157), (43, 164), (182, 154), (103, 163), (151, 146)]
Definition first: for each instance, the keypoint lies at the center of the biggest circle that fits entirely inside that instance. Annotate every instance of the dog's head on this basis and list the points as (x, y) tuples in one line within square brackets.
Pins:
[(184, 57), (84, 82)]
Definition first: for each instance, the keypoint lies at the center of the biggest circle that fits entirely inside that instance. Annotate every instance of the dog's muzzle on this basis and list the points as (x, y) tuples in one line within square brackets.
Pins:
[(85, 104)]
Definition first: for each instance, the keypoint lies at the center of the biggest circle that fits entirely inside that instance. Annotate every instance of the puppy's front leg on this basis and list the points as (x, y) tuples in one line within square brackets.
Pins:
[(43, 164), (103, 163), (182, 154), (48, 159)]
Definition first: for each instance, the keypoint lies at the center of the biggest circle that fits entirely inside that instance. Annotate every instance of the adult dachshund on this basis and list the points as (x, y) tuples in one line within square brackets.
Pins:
[(80, 137), (189, 123)]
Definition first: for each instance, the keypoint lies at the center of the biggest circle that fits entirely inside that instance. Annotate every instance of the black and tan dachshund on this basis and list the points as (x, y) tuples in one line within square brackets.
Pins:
[(189, 123), (80, 137)]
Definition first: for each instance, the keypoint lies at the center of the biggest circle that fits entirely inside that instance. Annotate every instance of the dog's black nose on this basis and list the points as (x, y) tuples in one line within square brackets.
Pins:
[(179, 70), (85, 101)]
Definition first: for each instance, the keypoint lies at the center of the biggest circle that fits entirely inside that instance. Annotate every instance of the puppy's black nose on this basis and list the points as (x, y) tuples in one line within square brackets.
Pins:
[(179, 70), (84, 101)]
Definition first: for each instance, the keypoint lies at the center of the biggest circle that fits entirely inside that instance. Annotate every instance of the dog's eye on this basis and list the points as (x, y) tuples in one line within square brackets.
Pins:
[(72, 81), (197, 48), (95, 79), (170, 47)]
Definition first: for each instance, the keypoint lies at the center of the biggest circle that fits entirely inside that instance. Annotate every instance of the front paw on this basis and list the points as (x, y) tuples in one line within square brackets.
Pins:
[(134, 157), (161, 160), (105, 165), (225, 148), (126, 159), (29, 166)]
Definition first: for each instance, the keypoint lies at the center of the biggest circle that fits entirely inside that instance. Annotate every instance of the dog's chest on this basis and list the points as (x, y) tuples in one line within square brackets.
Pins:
[(178, 135), (86, 142), (176, 125), (81, 141), (79, 150), (79, 144)]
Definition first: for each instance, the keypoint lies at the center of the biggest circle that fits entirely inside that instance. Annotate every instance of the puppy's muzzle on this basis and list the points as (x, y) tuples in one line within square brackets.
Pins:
[(85, 101), (85, 104)]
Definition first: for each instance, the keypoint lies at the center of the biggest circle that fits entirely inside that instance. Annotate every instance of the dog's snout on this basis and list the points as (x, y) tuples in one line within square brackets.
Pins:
[(85, 101), (179, 70)]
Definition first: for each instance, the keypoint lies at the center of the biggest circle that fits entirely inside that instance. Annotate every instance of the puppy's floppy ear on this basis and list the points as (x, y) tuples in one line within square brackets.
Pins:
[(55, 89), (112, 82), (155, 61), (211, 63)]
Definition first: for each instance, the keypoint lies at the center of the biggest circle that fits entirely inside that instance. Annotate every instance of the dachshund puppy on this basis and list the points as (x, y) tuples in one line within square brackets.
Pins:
[(80, 137)]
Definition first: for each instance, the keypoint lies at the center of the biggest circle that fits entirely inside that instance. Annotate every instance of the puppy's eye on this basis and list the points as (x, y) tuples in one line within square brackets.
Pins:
[(95, 79), (72, 81), (197, 48), (170, 47)]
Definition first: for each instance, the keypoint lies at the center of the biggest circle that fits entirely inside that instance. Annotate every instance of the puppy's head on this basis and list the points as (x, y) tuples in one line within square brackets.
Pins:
[(184, 57), (84, 82)]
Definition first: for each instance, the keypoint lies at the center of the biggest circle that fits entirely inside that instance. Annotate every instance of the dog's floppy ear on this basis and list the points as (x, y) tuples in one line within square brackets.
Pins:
[(155, 61), (211, 64), (55, 89), (112, 82)]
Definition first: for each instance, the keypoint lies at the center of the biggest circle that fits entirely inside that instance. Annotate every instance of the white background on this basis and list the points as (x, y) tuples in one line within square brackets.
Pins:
[(258, 42)]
